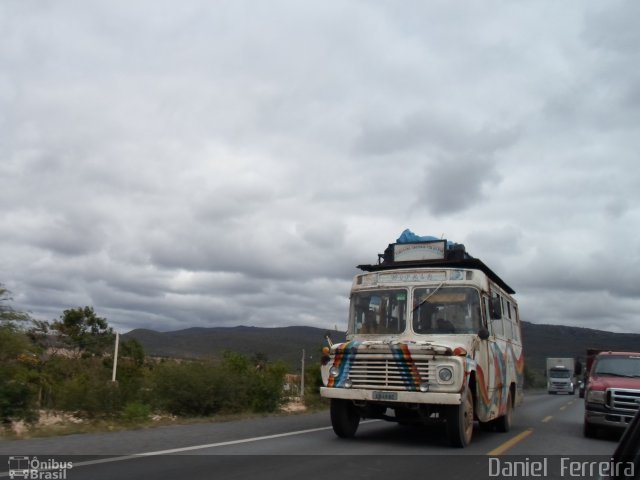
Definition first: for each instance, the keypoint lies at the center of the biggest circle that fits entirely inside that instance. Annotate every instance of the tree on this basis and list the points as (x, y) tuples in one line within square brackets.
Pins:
[(260, 360), (85, 330), (18, 377), (132, 349), (7, 313)]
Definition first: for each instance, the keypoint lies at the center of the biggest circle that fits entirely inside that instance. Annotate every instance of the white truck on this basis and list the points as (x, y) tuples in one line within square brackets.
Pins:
[(561, 375)]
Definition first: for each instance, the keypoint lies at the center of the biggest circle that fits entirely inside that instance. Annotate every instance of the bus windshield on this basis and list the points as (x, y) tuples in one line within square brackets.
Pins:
[(378, 312), (446, 310)]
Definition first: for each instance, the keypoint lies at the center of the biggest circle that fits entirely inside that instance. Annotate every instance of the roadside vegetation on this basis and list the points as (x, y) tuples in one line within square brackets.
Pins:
[(534, 379), (64, 369)]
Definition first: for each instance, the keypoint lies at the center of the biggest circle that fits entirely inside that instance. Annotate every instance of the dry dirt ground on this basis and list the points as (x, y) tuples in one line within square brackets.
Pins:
[(45, 419), (295, 406), (54, 421)]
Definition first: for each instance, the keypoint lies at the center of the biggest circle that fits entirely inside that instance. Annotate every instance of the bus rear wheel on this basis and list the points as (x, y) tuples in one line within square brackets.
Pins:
[(503, 424), (460, 421), (344, 418)]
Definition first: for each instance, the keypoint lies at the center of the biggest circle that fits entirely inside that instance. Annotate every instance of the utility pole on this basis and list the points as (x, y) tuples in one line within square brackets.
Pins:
[(302, 377), (115, 358)]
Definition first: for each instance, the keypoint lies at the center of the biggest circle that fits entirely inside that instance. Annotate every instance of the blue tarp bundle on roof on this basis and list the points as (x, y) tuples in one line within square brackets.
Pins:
[(408, 237)]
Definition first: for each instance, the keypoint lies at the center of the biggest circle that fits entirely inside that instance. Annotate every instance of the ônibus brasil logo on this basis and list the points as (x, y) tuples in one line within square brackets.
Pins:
[(32, 468)]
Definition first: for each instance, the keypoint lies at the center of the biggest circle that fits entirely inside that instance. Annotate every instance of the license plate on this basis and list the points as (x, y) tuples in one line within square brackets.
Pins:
[(385, 395)]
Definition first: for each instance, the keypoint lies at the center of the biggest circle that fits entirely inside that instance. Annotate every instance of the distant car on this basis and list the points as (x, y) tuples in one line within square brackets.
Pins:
[(626, 457)]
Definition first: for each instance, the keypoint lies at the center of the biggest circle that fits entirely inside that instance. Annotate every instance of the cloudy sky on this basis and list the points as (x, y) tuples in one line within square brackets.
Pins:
[(198, 163)]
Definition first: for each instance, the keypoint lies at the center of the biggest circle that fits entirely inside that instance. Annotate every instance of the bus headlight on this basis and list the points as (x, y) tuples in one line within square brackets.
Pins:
[(445, 375), (334, 371)]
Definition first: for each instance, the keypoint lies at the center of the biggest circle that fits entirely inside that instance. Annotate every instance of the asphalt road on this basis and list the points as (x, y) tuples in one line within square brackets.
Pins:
[(546, 437)]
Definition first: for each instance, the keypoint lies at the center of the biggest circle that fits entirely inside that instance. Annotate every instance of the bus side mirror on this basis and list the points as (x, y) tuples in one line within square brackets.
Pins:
[(483, 333), (327, 337), (495, 308)]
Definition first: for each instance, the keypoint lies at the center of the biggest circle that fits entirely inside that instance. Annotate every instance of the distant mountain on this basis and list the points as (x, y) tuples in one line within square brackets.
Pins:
[(542, 341), (284, 343), (287, 343)]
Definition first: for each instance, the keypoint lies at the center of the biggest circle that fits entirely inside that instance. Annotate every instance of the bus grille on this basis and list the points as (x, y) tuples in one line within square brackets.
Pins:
[(385, 372)]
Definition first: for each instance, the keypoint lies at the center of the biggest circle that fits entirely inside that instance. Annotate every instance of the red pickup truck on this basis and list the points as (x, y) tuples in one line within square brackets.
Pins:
[(612, 394)]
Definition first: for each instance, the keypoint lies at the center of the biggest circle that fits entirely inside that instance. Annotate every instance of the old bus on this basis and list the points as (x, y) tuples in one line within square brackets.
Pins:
[(433, 337)]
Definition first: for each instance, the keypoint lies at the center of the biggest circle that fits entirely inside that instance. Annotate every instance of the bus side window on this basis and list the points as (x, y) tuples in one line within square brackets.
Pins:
[(516, 325), (486, 320), (508, 328), (497, 328)]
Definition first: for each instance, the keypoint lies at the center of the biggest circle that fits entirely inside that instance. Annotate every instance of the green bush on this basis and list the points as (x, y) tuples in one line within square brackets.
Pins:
[(136, 412), (266, 389), (31, 379), (186, 388), (313, 382), (89, 395), (533, 378), (18, 376), (206, 388), (18, 394)]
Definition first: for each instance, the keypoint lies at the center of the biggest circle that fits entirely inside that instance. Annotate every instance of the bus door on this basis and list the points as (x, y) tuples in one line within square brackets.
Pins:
[(491, 363)]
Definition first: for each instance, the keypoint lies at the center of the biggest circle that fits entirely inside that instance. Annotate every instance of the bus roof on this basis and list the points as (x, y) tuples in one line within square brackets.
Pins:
[(455, 257)]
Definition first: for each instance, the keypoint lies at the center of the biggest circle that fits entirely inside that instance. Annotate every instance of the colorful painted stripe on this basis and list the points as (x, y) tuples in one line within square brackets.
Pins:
[(407, 368), (344, 355), (482, 387), (519, 362)]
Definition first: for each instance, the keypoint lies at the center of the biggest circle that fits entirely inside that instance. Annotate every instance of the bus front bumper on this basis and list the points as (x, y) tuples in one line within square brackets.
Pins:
[(374, 396)]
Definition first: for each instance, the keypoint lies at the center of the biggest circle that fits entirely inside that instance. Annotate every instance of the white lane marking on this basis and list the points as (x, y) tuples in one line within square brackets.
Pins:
[(196, 447)]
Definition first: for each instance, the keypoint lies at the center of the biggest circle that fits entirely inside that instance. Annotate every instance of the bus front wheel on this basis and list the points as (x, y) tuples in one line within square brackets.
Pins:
[(344, 418), (460, 421)]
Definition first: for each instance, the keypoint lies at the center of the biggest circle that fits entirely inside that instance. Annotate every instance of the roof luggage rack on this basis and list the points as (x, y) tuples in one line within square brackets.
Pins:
[(434, 254)]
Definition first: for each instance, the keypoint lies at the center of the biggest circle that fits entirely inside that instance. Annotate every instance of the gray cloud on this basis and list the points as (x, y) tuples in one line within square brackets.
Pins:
[(222, 164), (451, 185), (434, 131)]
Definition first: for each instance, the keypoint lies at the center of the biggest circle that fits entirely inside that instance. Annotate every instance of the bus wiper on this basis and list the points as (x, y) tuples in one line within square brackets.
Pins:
[(613, 374), (427, 298)]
